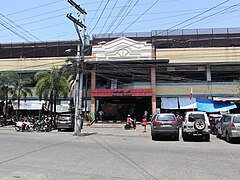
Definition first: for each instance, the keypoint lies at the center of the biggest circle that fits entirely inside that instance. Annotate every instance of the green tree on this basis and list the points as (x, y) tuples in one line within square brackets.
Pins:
[(70, 71), (6, 80), (50, 86), (20, 90)]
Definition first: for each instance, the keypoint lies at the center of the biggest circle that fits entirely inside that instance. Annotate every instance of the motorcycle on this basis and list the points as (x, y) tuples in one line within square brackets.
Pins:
[(21, 126), (43, 125), (128, 127)]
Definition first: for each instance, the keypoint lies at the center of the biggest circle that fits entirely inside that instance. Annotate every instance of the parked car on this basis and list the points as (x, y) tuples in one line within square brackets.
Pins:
[(164, 124), (229, 127), (196, 124), (213, 119), (65, 121)]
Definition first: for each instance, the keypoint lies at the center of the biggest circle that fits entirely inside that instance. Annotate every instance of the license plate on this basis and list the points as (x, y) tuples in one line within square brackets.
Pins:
[(166, 125), (197, 134)]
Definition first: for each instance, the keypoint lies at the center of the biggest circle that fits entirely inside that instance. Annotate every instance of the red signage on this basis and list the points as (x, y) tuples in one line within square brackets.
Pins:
[(121, 92)]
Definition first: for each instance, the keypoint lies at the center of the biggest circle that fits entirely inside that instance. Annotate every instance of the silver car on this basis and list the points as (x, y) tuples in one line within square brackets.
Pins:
[(164, 124), (229, 127), (196, 124)]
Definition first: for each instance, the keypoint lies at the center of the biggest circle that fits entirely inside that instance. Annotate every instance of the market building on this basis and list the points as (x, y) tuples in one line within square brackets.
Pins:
[(135, 73)]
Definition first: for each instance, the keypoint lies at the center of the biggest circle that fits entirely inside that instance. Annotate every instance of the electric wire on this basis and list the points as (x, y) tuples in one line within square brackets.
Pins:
[(238, 4), (18, 27), (109, 16), (140, 16), (124, 17), (36, 7), (64, 14), (95, 13), (19, 35), (117, 16), (100, 16)]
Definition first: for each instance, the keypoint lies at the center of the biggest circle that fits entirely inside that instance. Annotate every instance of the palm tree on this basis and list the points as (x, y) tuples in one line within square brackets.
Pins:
[(70, 70), (20, 90), (50, 86), (6, 80)]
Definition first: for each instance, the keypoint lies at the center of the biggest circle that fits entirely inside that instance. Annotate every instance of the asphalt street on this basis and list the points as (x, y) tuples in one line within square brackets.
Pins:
[(113, 153)]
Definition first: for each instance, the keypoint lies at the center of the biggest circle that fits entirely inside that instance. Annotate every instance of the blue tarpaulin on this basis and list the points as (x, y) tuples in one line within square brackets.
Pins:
[(208, 105)]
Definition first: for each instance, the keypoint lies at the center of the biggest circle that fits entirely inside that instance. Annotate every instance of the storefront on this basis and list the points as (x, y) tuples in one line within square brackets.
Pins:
[(116, 104)]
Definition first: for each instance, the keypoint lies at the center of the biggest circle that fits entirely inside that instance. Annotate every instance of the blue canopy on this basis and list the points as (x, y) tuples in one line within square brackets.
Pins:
[(208, 105)]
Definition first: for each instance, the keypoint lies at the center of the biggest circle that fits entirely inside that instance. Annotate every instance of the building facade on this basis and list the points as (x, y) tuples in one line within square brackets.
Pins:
[(135, 73)]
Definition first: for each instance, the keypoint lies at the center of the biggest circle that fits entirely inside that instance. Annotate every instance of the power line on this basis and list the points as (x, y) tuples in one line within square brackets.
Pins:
[(100, 16), (95, 13), (117, 16), (210, 9), (19, 35), (125, 16), (140, 16), (36, 7), (109, 15), (211, 15), (18, 26)]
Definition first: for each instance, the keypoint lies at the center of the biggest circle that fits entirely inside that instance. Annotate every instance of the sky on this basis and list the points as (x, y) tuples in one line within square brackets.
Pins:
[(38, 21)]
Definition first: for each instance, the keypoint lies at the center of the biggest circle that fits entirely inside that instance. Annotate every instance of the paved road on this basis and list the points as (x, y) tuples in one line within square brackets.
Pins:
[(113, 153)]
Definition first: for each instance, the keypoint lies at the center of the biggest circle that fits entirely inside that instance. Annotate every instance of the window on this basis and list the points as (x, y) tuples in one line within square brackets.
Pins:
[(194, 117), (236, 119), (166, 118)]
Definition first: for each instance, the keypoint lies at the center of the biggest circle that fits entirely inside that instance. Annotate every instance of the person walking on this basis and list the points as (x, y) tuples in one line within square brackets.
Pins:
[(144, 124), (100, 115)]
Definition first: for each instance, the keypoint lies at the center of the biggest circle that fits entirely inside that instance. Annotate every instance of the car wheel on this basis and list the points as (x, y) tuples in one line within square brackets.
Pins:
[(59, 129), (207, 137), (154, 137), (228, 138), (199, 124), (176, 137)]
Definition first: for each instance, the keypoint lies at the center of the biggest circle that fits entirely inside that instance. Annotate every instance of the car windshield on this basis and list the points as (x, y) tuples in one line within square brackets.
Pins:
[(194, 117), (166, 118), (236, 119), (64, 117)]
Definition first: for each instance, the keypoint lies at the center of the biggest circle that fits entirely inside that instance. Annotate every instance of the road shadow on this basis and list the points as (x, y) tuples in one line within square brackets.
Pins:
[(88, 134), (233, 141), (196, 139), (165, 138)]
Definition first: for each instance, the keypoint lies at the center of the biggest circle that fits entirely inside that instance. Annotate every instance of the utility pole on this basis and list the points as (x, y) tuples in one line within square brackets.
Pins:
[(78, 121)]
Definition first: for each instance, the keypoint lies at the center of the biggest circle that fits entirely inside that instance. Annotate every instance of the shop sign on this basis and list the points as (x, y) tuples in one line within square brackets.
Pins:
[(121, 92)]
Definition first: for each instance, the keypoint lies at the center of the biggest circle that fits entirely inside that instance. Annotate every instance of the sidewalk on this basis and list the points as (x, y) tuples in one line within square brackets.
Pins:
[(104, 129), (7, 127), (115, 129)]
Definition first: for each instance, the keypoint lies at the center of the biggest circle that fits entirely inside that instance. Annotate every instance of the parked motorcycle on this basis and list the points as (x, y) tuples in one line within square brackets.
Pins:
[(128, 127), (21, 126), (43, 125)]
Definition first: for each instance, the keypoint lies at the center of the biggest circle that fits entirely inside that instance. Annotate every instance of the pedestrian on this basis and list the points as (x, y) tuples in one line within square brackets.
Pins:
[(145, 113), (129, 120), (100, 114), (134, 123), (144, 124)]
